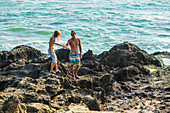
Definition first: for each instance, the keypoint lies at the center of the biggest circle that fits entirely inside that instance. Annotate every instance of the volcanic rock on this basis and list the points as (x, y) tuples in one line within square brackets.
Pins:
[(116, 80)]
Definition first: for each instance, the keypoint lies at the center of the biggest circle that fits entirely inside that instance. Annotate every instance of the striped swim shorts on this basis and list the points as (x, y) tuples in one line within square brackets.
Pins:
[(74, 58)]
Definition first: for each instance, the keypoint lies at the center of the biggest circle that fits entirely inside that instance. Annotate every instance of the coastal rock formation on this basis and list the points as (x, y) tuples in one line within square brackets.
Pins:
[(126, 54), (116, 80)]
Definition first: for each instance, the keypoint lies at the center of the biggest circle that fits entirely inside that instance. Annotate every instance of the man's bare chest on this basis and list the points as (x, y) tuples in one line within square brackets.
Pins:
[(75, 42)]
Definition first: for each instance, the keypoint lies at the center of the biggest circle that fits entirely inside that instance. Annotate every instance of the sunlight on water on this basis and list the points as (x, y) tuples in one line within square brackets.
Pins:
[(99, 24)]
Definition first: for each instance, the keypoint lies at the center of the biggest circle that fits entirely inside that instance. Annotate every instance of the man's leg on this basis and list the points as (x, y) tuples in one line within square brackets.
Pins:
[(72, 70), (76, 70)]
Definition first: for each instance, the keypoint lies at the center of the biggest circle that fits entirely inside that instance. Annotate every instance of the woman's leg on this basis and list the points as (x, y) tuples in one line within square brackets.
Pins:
[(52, 66), (56, 67)]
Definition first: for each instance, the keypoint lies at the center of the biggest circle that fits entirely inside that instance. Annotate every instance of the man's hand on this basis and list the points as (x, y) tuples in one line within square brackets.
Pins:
[(80, 56), (63, 46)]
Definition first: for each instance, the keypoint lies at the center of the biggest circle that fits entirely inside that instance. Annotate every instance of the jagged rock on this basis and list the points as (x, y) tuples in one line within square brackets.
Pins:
[(78, 108), (6, 82), (13, 105), (89, 55), (106, 82), (85, 83), (126, 54), (31, 96), (39, 108), (100, 94), (91, 103), (127, 73), (95, 65), (5, 63), (162, 53), (74, 97), (40, 59), (116, 80), (96, 82), (51, 89), (30, 70), (21, 52), (85, 71), (63, 55), (103, 55), (46, 68), (3, 55)]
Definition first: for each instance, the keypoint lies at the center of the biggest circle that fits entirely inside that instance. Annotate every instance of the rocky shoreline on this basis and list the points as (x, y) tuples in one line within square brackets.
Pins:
[(118, 80)]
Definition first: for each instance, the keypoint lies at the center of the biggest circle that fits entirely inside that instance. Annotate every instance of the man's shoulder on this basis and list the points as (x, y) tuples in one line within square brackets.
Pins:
[(70, 39), (78, 39)]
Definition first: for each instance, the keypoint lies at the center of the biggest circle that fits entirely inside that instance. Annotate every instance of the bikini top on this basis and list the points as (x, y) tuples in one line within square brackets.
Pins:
[(54, 40)]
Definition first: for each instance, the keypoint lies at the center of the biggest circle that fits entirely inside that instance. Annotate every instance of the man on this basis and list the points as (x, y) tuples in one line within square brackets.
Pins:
[(74, 55)]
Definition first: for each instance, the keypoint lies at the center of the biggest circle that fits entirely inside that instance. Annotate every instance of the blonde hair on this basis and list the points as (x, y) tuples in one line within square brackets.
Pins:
[(57, 34)]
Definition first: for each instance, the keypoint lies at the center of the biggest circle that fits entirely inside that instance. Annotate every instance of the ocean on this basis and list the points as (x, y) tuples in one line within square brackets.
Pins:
[(100, 24)]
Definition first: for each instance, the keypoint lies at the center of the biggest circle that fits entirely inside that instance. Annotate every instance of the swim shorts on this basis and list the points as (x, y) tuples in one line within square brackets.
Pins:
[(74, 58), (54, 57)]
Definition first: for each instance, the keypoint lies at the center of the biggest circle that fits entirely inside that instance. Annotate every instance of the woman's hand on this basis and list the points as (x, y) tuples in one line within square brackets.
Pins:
[(51, 54)]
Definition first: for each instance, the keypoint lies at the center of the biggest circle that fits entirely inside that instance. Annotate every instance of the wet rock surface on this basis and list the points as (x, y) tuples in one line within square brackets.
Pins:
[(116, 80)]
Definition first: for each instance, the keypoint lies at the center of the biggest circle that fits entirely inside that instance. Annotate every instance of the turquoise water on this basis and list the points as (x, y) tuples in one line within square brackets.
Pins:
[(100, 24)]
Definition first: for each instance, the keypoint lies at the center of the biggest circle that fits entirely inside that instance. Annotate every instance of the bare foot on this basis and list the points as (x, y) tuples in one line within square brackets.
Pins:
[(57, 70), (77, 77), (53, 72), (74, 78)]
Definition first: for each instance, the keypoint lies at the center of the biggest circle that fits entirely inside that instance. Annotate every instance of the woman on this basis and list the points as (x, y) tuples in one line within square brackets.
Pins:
[(51, 50)]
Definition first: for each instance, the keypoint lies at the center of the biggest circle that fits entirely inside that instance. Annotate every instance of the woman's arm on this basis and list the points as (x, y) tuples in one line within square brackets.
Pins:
[(58, 44)]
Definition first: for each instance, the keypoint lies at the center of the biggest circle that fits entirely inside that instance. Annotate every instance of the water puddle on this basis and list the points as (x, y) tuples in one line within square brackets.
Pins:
[(160, 81), (152, 69), (166, 61)]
